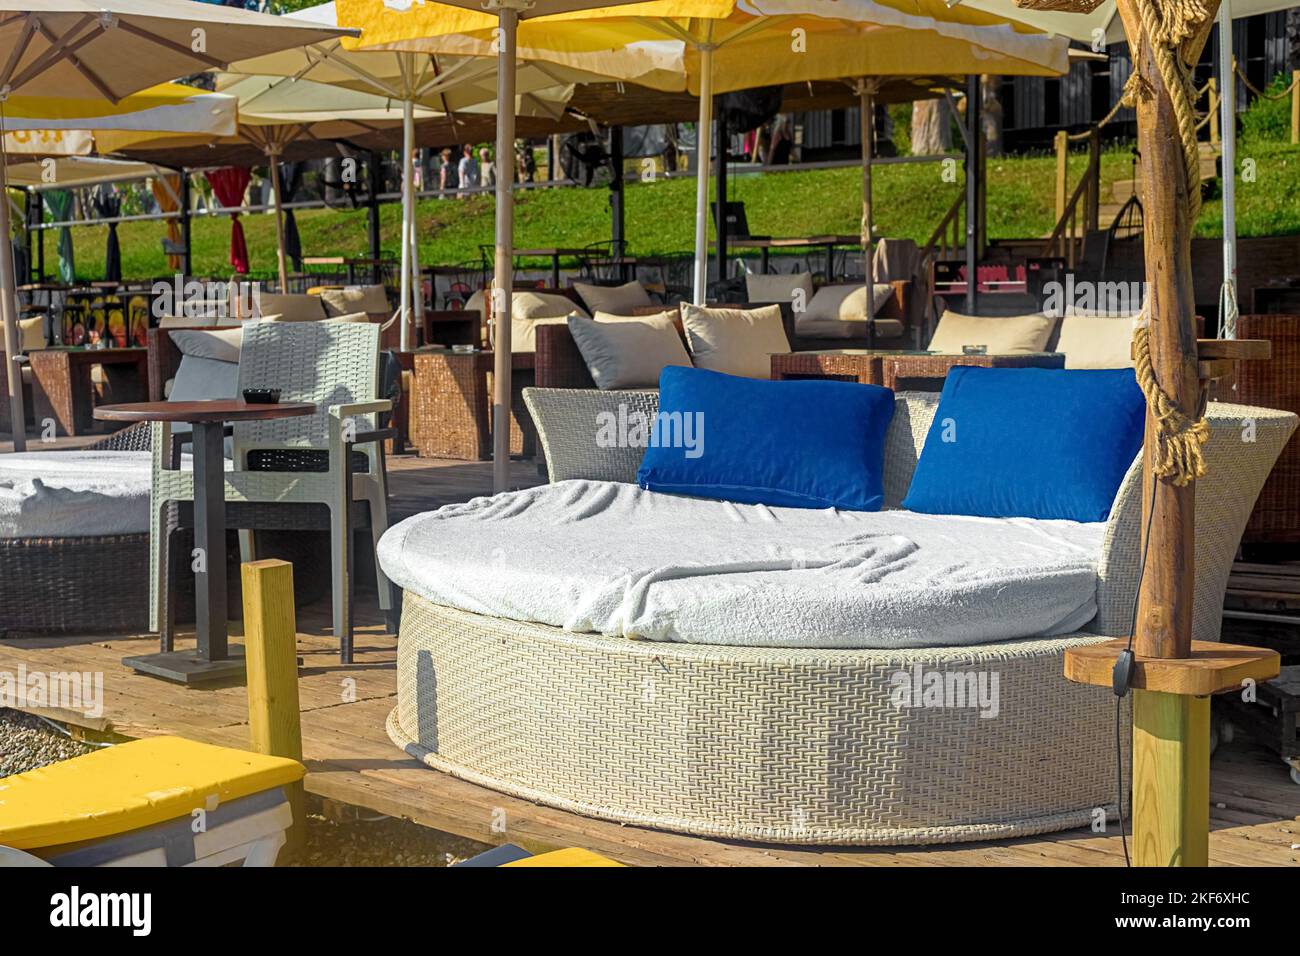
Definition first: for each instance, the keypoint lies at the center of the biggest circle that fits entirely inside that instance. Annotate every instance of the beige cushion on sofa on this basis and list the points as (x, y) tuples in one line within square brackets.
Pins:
[(355, 298), (526, 304), (523, 332), (1001, 335), (735, 341), (845, 303), (350, 317), (1094, 342), (198, 321), (291, 307), (31, 333), (222, 346), (616, 299), (778, 287), (628, 351)]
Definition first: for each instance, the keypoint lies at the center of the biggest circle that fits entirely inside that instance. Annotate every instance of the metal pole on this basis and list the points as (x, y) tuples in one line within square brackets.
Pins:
[(1228, 140), (375, 168), (703, 152), (616, 189), (867, 107), (273, 160), (503, 277), (408, 227), (9, 314), (972, 187), (720, 195)]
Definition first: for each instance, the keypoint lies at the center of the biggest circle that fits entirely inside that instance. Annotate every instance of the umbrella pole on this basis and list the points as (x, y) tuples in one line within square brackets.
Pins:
[(273, 159), (1228, 138), (503, 276), (408, 227), (703, 151), (867, 107), (9, 308), (972, 189)]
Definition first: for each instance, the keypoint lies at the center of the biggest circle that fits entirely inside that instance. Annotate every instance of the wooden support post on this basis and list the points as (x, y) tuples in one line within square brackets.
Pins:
[(1062, 171), (1171, 779), (1212, 104), (271, 655), (1295, 107)]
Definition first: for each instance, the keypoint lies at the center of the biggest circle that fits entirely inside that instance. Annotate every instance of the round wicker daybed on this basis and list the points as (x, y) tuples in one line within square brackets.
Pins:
[(795, 745)]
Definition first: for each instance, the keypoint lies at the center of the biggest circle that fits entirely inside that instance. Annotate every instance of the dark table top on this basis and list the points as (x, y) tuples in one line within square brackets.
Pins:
[(211, 410)]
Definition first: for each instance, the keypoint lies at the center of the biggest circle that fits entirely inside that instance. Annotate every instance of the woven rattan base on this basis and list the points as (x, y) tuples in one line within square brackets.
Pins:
[(774, 745)]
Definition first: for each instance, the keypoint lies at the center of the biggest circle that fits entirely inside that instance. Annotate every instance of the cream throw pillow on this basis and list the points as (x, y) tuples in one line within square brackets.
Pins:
[(1090, 342), (356, 298), (735, 341), (628, 351), (617, 299), (32, 333), (1001, 335), (220, 346), (351, 317), (778, 288), (291, 307), (846, 303), (526, 305)]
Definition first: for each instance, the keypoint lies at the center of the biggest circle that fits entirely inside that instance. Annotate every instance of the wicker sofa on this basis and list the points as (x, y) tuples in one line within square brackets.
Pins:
[(791, 744)]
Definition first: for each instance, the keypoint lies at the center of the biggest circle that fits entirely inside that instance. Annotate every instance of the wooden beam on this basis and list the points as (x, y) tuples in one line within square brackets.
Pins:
[(271, 653), (1171, 779), (1164, 620), (1212, 668)]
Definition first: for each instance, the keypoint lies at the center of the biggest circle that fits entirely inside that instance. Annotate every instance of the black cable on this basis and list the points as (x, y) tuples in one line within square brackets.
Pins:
[(1123, 676)]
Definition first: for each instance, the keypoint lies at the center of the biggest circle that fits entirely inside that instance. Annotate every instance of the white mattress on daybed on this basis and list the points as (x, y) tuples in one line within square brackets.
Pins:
[(610, 558)]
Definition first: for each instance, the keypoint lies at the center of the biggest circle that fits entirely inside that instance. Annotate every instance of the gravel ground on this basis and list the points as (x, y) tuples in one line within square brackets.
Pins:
[(27, 743)]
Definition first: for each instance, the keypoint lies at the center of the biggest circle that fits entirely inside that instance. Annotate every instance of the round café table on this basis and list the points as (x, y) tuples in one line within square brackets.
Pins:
[(211, 659)]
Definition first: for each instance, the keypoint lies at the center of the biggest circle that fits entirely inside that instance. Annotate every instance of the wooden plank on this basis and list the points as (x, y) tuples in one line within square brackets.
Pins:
[(1171, 777), (1211, 668)]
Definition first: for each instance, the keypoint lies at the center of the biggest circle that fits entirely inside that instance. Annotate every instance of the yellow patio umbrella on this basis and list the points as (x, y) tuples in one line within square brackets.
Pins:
[(712, 46), (447, 84), (107, 50)]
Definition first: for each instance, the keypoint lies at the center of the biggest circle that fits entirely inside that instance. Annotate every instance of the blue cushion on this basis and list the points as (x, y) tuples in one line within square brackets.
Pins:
[(1029, 443), (796, 444)]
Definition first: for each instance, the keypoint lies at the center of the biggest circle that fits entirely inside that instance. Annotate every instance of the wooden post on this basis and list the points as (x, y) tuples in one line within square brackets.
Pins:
[(1062, 171), (1295, 107), (271, 655), (273, 160), (1212, 104), (1171, 734)]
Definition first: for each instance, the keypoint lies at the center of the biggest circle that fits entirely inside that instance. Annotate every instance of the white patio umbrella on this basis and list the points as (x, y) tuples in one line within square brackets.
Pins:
[(275, 112), (1103, 26), (91, 50), (446, 84)]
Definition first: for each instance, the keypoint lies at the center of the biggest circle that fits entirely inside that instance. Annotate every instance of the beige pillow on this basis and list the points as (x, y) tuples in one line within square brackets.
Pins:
[(523, 332), (525, 305), (290, 307), (617, 299), (735, 341), (1090, 342), (350, 317), (32, 333), (198, 321), (778, 288), (355, 298), (845, 303), (1001, 335), (628, 351), (221, 346), (476, 303)]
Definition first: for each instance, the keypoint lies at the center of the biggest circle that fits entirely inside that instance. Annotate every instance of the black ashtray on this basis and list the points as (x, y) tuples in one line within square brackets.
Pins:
[(261, 396)]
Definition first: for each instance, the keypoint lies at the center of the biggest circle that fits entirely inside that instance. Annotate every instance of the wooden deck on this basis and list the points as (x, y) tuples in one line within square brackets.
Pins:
[(1254, 815)]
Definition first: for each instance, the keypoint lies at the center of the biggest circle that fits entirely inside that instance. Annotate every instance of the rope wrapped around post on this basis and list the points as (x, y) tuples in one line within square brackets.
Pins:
[(1179, 455)]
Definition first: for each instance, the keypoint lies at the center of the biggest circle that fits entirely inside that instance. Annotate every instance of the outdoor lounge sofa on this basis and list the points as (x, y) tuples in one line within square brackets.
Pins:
[(793, 744)]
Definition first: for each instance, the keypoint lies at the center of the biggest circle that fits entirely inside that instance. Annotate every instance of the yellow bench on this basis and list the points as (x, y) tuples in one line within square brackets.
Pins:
[(158, 801)]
